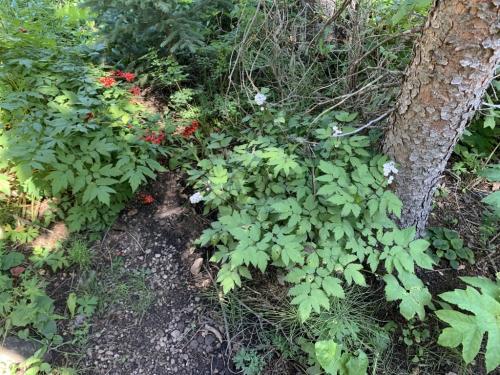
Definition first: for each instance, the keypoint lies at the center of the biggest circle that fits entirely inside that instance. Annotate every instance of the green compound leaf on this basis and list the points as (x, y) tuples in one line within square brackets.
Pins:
[(331, 286), (352, 274), (308, 298), (421, 258), (413, 294), (390, 203)]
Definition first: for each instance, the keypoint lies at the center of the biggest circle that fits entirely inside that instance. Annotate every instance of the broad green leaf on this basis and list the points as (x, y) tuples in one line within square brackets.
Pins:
[(489, 122), (403, 237), (345, 116), (11, 259), (493, 200), (22, 314), (469, 329), (328, 355), (450, 338), (491, 173), (486, 285)]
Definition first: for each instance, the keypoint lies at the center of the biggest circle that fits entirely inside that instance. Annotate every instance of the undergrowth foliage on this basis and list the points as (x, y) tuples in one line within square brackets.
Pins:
[(303, 197), (322, 213), (69, 130)]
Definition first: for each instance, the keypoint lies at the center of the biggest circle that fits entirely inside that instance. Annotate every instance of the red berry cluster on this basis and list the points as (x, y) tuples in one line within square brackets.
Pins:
[(107, 81), (136, 91), (129, 77), (189, 130), (147, 198), (155, 137)]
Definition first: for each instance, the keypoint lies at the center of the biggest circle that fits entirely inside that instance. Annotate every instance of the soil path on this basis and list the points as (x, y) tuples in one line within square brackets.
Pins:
[(174, 332)]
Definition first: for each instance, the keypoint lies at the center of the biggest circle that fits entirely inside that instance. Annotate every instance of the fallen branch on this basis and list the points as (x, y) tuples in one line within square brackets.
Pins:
[(368, 124)]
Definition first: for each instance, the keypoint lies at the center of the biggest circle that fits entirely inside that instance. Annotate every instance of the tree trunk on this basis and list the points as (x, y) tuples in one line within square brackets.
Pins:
[(327, 7), (454, 62)]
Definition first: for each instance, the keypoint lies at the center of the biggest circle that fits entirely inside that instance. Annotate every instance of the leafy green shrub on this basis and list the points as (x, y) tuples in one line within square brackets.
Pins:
[(481, 298), (54, 258), (36, 365), (447, 244), (134, 26), (160, 72), (349, 324), (323, 219), (67, 131), (24, 303)]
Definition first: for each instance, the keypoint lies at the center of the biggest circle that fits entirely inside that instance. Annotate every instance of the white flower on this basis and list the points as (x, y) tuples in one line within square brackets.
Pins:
[(260, 98), (196, 198), (390, 167), (336, 131), (390, 171)]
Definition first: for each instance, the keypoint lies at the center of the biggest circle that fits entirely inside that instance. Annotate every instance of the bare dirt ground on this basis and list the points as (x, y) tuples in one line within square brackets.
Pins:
[(163, 327)]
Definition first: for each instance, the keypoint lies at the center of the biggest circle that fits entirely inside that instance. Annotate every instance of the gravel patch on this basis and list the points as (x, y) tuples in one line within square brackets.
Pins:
[(174, 332)]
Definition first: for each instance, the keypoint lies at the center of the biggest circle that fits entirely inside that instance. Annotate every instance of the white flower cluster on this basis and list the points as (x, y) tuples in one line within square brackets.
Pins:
[(390, 170), (260, 98), (336, 131), (196, 198)]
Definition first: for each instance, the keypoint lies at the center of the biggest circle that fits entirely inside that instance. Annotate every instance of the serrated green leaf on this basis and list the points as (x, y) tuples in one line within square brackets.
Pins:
[(331, 286), (421, 258), (352, 274), (390, 203), (413, 295), (319, 299)]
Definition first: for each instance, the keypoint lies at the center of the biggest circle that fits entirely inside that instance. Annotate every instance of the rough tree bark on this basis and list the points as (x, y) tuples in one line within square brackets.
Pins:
[(327, 7), (454, 62)]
